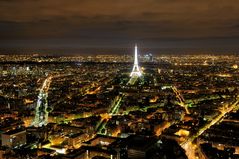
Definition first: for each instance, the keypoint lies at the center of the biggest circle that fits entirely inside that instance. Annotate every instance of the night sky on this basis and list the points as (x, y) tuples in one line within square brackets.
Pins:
[(75, 24)]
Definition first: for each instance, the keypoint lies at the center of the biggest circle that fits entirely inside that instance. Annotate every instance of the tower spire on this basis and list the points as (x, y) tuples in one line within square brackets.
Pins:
[(135, 71), (135, 54)]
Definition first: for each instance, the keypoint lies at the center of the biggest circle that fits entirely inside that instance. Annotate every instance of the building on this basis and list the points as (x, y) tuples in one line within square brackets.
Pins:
[(75, 140), (134, 147), (139, 146), (14, 138)]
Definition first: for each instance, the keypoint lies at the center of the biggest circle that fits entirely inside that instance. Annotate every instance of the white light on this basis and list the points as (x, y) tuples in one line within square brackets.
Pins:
[(61, 151)]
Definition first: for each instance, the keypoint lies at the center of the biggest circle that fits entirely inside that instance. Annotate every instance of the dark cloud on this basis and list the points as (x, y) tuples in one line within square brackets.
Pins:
[(87, 23)]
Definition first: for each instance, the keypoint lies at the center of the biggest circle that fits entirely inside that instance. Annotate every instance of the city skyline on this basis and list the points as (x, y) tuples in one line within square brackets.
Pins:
[(119, 79), (70, 107)]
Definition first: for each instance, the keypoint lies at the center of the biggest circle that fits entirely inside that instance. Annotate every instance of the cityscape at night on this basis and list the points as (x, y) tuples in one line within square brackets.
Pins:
[(125, 79)]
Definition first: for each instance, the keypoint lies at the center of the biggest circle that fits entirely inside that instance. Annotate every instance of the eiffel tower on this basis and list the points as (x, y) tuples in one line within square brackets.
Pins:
[(136, 70)]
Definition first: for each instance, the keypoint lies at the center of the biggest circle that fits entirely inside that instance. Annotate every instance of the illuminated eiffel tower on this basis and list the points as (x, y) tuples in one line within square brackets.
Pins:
[(136, 70)]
